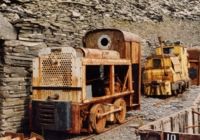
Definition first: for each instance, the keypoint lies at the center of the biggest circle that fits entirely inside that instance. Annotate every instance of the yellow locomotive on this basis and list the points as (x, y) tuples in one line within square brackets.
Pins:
[(81, 89), (166, 72)]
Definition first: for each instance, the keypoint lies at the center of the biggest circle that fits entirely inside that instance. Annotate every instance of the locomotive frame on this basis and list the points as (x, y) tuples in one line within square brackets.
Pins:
[(80, 89)]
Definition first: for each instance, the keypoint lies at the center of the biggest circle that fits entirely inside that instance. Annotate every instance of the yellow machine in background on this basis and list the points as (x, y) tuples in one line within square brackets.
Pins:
[(166, 72)]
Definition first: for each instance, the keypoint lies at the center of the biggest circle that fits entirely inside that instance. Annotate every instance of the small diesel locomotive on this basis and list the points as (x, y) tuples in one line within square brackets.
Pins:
[(81, 89), (166, 72)]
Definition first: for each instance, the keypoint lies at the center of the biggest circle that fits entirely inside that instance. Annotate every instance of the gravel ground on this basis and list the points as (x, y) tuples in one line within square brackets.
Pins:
[(151, 109)]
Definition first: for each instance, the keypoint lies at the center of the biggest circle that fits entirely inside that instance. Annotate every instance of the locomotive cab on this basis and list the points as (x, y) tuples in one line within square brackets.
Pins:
[(80, 89)]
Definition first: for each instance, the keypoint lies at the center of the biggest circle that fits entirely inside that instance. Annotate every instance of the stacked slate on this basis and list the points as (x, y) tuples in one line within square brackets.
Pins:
[(30, 30), (15, 83), (54, 35)]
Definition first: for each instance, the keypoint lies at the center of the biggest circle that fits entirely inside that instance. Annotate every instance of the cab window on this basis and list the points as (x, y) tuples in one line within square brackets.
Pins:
[(156, 63)]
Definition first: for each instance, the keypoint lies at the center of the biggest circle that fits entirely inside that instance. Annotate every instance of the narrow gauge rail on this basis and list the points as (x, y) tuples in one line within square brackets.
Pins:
[(51, 135), (111, 127), (129, 120)]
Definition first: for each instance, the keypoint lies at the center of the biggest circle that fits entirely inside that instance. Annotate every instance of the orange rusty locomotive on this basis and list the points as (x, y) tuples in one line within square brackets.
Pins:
[(81, 89)]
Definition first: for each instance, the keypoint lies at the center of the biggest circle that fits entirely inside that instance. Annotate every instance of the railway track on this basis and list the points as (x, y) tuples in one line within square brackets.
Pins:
[(85, 136), (132, 118), (111, 127), (155, 107)]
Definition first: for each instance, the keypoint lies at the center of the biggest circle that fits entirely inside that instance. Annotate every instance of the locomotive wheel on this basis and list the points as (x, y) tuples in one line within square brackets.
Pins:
[(97, 124), (121, 115)]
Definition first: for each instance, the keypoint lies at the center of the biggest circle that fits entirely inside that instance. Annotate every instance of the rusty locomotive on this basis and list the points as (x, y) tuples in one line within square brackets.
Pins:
[(166, 71), (194, 60), (81, 89)]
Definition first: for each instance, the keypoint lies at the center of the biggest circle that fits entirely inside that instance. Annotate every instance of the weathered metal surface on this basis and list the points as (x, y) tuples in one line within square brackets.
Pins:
[(127, 36), (110, 108), (56, 67), (131, 37), (104, 98), (99, 54), (87, 61), (121, 115), (113, 39), (97, 123), (108, 68), (51, 115), (76, 119), (157, 135), (127, 44), (135, 51), (109, 112), (194, 60), (166, 72), (193, 53), (183, 125)]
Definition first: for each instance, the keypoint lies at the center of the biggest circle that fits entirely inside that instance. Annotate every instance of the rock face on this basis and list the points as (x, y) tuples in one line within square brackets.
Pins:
[(15, 83), (7, 30), (66, 21), (55, 23)]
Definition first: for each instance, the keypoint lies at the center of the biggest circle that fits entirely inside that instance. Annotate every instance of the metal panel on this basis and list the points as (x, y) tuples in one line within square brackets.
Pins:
[(57, 72), (116, 39), (128, 50), (135, 52), (176, 63), (63, 95), (158, 135), (87, 61), (151, 135), (76, 120), (51, 115), (99, 54), (194, 73), (56, 69), (194, 60)]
